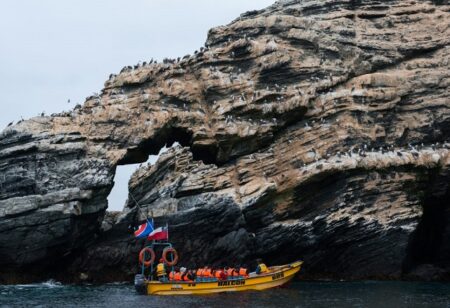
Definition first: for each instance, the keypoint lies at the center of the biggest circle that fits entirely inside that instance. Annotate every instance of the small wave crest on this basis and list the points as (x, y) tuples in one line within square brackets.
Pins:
[(46, 284)]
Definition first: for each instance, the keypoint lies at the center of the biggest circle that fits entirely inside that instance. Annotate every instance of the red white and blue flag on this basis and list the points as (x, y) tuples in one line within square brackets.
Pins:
[(159, 234), (144, 229)]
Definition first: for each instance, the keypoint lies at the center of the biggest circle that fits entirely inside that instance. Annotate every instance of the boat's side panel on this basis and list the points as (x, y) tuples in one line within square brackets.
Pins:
[(255, 283)]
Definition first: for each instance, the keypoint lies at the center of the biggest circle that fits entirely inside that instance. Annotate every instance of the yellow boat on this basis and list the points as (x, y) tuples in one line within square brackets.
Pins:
[(275, 277)]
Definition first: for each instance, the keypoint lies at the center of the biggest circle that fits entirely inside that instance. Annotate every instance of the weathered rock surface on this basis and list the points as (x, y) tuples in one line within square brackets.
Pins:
[(315, 130)]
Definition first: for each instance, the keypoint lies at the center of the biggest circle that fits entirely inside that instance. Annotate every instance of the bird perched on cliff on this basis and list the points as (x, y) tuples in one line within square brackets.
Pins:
[(11, 123)]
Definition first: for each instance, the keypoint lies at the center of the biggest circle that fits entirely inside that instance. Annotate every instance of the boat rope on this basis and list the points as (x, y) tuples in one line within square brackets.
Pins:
[(134, 199)]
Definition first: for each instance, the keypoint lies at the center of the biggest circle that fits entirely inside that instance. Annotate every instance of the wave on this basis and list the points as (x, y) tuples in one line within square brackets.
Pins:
[(46, 284)]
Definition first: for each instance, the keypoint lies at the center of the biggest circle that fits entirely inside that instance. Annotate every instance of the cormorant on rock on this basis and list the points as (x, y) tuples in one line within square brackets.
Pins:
[(10, 124), (42, 113)]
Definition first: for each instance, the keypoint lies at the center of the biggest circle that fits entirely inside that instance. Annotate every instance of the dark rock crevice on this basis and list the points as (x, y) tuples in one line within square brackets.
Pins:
[(428, 246)]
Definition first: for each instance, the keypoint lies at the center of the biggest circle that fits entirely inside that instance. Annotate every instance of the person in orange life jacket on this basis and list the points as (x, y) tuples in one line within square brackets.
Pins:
[(183, 272), (199, 272), (236, 271), (243, 271), (261, 268), (226, 269), (207, 273), (217, 273), (177, 276), (220, 274), (229, 271), (172, 275)]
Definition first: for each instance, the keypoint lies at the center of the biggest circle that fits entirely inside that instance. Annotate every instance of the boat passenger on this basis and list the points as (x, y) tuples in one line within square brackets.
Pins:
[(200, 272), (172, 275), (191, 275), (177, 276), (207, 273), (188, 275), (236, 271), (220, 274), (243, 271), (229, 271), (183, 273), (261, 268), (161, 270)]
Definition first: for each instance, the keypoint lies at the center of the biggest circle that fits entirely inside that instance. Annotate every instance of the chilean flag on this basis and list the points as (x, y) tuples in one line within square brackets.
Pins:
[(144, 229), (161, 233)]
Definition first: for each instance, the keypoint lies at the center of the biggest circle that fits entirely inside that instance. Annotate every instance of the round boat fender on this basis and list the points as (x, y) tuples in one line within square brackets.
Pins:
[(145, 251), (166, 251)]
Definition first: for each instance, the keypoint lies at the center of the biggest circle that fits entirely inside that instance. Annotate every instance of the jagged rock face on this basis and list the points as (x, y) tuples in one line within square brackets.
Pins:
[(302, 128)]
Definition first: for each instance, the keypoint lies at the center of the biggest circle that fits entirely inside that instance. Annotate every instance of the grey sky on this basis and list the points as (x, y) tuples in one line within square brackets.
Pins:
[(52, 51)]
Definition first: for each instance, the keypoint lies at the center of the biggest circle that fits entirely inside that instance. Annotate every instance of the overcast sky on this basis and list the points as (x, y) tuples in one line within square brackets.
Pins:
[(53, 50)]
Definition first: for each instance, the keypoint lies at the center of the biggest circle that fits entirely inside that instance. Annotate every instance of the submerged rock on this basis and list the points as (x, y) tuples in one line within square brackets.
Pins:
[(314, 130)]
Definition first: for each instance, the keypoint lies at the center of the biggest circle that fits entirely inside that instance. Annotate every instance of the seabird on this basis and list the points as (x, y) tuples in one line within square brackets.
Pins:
[(10, 124), (68, 101)]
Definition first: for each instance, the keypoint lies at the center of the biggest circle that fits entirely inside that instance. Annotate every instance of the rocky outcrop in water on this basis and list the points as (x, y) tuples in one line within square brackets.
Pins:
[(314, 130)]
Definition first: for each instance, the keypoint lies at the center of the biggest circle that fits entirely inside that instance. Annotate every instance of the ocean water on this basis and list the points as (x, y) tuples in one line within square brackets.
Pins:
[(297, 294)]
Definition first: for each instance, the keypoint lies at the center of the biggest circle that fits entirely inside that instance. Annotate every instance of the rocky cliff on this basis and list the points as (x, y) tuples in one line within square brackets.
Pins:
[(314, 130)]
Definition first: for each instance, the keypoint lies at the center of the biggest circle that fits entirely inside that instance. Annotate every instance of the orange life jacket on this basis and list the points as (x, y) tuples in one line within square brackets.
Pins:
[(235, 272), (177, 276), (243, 272), (218, 274), (230, 272), (171, 275), (200, 272), (184, 277), (207, 273)]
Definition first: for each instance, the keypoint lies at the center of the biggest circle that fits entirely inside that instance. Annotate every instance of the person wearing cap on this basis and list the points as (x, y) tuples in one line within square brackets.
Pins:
[(161, 270)]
